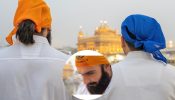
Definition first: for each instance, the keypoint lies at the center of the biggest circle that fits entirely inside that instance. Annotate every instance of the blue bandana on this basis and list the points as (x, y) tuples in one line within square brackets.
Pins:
[(147, 32)]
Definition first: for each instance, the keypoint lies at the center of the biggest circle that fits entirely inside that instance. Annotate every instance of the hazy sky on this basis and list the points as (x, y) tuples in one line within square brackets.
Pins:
[(68, 15)]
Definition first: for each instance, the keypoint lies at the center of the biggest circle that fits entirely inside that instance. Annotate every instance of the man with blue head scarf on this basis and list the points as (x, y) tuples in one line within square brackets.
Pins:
[(143, 33), (144, 74)]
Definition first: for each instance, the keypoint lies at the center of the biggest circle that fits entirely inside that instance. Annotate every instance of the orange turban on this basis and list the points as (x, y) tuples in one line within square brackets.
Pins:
[(85, 61), (35, 10)]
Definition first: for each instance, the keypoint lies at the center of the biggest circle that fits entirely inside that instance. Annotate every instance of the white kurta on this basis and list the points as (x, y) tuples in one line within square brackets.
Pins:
[(140, 77), (32, 72), (82, 90)]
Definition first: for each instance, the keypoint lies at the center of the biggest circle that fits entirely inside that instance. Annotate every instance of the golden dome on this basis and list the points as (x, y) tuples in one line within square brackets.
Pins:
[(104, 29), (80, 34)]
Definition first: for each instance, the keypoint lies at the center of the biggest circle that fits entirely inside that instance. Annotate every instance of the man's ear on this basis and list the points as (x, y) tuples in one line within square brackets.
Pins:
[(108, 68), (123, 42)]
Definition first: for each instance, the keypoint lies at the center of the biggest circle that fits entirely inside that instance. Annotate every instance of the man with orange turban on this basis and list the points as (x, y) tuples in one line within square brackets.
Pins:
[(32, 17), (96, 73), (30, 69)]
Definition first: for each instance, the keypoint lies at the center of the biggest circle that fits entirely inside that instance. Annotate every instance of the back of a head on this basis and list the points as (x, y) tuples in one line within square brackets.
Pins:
[(144, 33), (26, 30), (131, 45), (32, 16)]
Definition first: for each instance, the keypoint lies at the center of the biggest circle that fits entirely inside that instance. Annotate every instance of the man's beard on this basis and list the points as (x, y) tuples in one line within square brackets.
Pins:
[(100, 87)]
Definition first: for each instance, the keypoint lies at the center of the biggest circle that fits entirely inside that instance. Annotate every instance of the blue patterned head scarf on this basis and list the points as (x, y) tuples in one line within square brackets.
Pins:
[(147, 32)]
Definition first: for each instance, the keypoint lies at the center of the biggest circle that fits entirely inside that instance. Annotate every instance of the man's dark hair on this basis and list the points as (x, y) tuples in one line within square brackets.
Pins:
[(49, 37), (131, 45), (26, 30)]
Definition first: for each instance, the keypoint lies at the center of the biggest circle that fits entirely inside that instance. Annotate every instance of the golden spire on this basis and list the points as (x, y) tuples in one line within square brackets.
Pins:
[(103, 24), (103, 28), (80, 34)]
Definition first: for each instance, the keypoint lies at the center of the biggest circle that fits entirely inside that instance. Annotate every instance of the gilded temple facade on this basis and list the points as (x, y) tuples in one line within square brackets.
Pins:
[(105, 40)]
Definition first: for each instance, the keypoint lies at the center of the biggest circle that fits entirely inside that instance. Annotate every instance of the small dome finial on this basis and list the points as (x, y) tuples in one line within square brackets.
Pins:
[(81, 34)]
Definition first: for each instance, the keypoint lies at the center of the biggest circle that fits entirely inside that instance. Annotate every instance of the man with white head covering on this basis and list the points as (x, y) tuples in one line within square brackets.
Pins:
[(144, 74), (31, 69)]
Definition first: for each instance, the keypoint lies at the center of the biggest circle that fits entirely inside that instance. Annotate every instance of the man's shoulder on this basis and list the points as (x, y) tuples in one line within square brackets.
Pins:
[(57, 54), (8, 51), (169, 70), (116, 67), (168, 76), (119, 64)]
